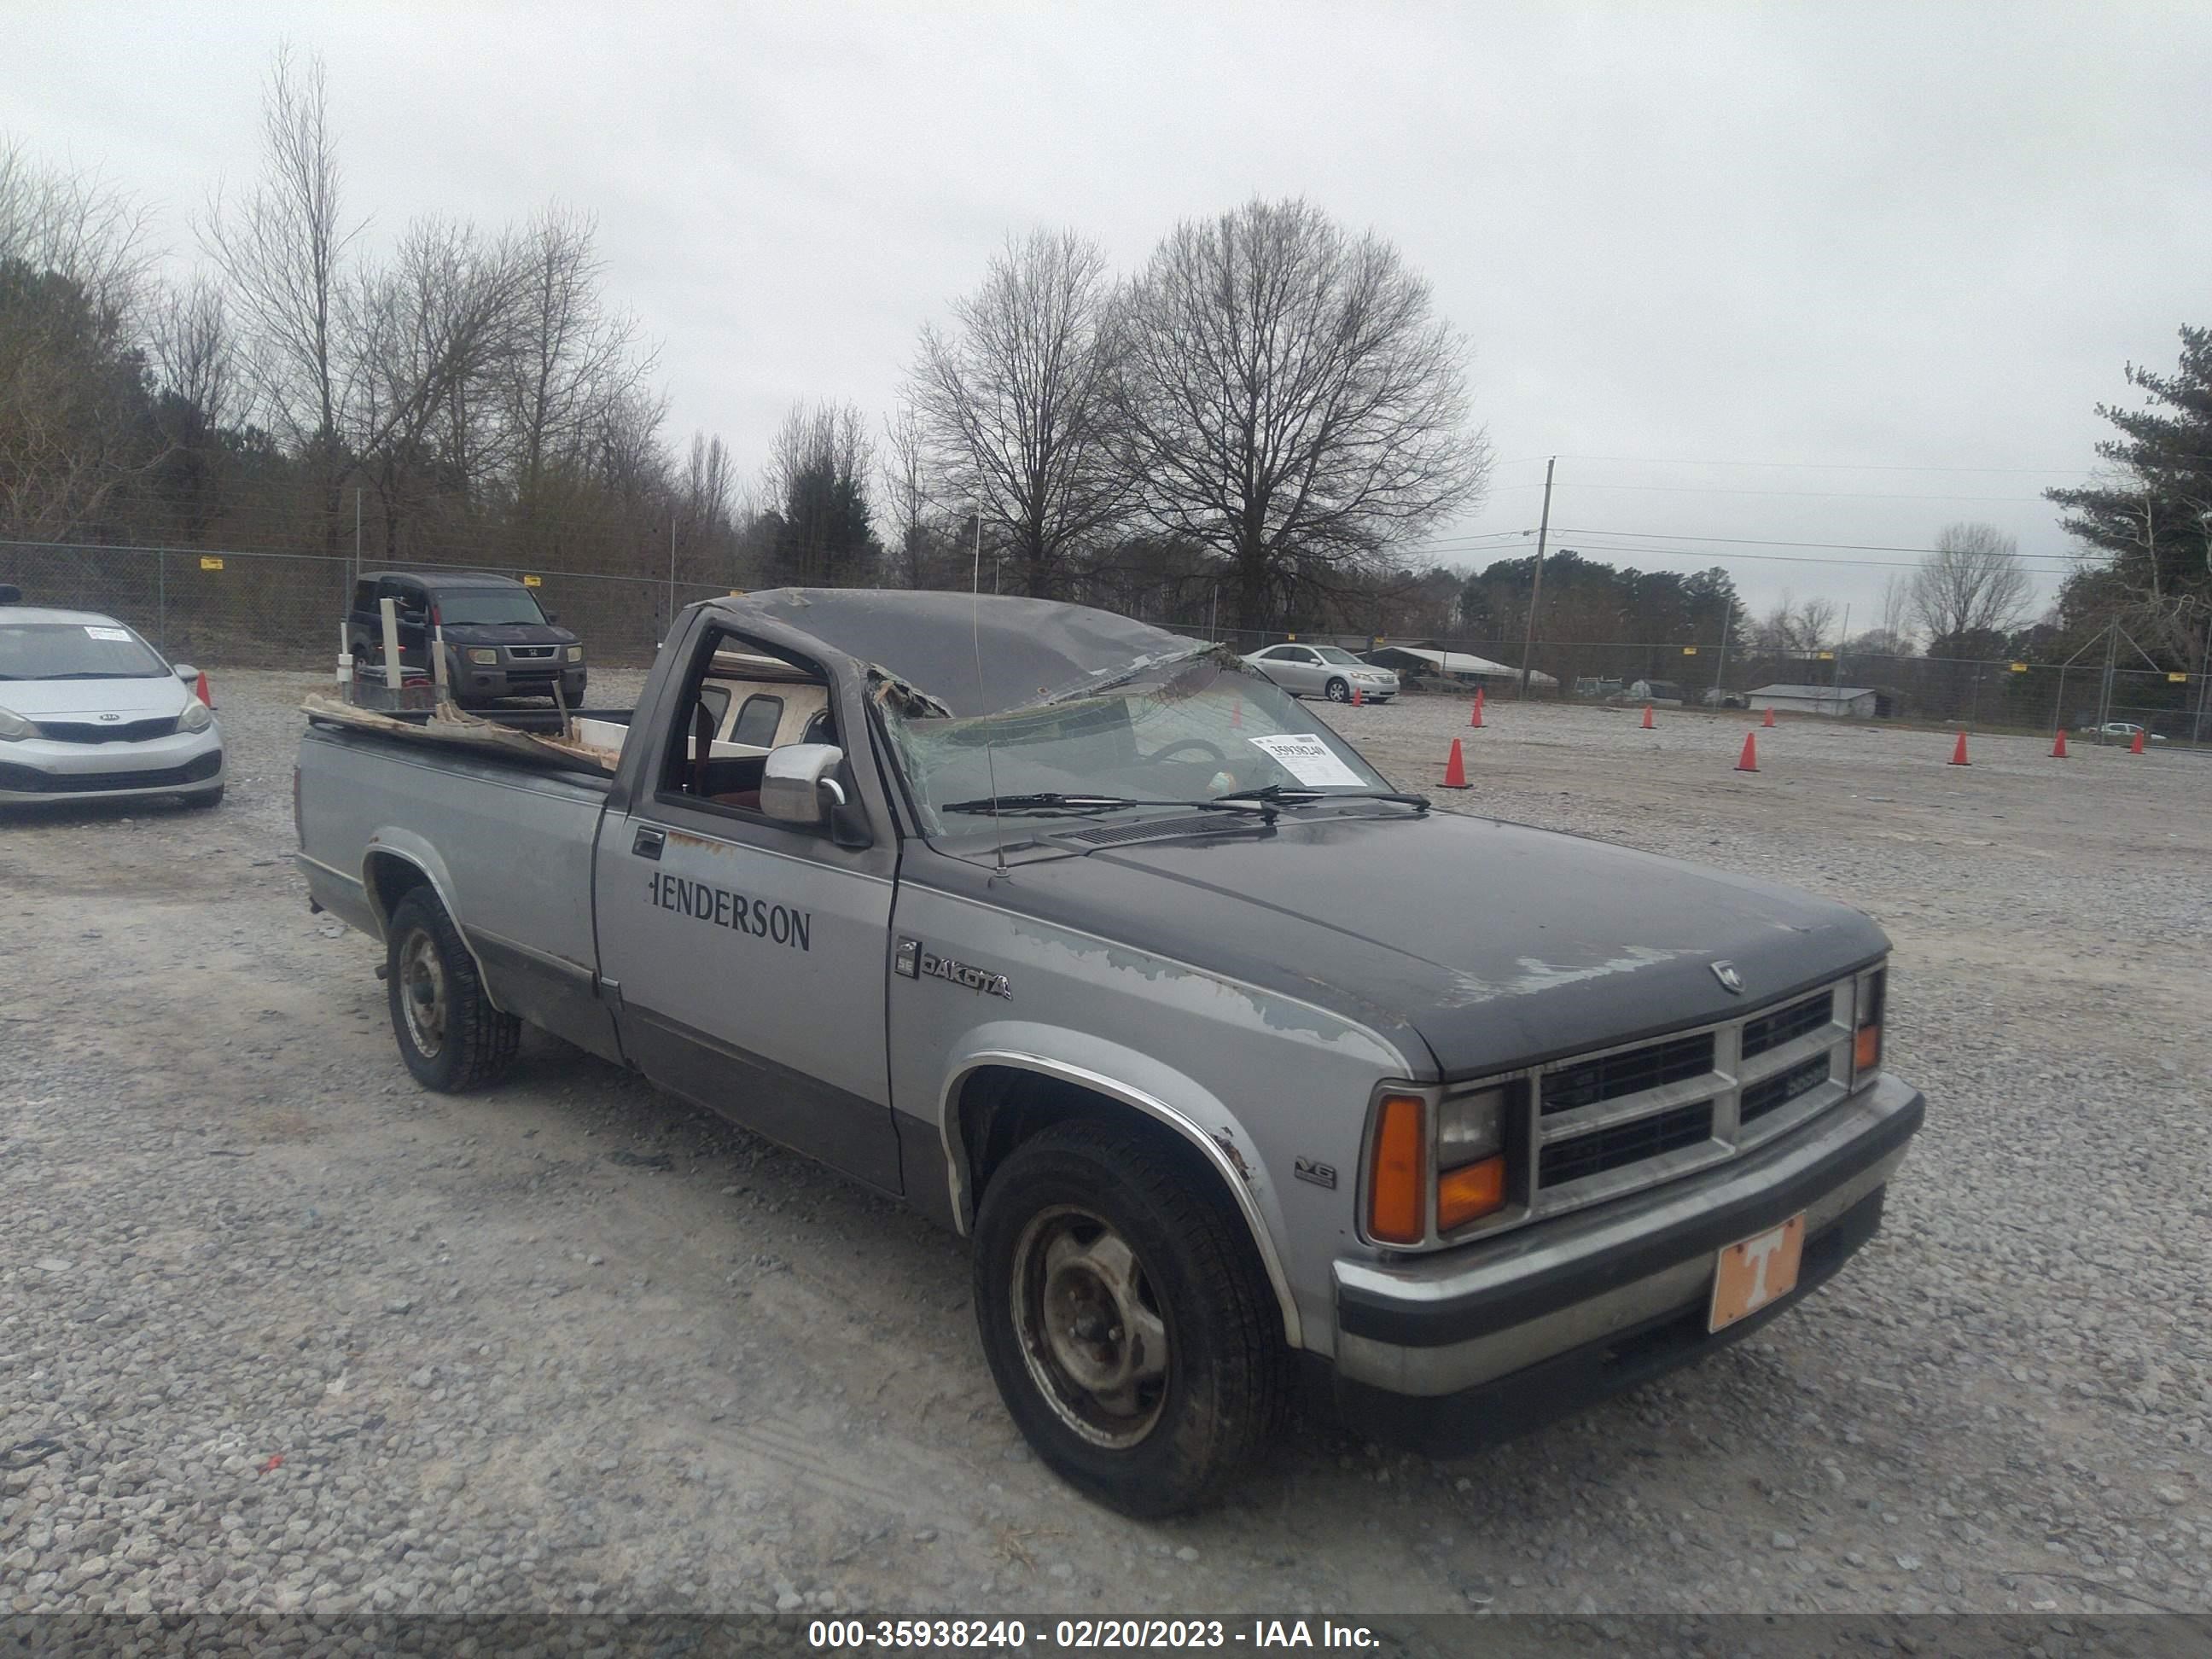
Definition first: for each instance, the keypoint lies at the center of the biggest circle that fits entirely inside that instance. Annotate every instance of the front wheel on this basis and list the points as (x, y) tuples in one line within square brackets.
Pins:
[(450, 1034), (1127, 1319), (1339, 691)]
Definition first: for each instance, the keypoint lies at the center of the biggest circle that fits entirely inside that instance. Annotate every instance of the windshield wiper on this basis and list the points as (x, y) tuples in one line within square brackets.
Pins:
[(1276, 794), (1048, 801)]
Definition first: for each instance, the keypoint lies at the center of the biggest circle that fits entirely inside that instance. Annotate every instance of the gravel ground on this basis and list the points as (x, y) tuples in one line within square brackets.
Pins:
[(280, 1331)]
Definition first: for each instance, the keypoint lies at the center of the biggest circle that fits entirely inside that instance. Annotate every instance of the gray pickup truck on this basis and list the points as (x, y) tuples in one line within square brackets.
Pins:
[(1249, 1077)]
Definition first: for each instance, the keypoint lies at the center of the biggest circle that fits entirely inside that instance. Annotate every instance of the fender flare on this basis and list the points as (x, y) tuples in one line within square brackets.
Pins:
[(1223, 1160), (404, 846)]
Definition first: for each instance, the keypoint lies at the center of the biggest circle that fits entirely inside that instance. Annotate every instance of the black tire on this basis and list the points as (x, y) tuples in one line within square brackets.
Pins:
[(208, 800), (1339, 691), (1169, 1444), (451, 1037)]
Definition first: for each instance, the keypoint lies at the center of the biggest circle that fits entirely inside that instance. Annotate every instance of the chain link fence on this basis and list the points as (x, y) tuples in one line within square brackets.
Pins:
[(256, 610), (2174, 706), (227, 607)]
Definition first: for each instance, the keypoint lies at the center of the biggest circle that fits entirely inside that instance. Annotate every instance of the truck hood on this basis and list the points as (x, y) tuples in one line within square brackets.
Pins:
[(53, 700), (1493, 944)]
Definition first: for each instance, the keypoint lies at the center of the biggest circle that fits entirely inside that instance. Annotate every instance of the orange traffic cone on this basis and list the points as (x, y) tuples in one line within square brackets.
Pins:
[(1647, 717), (2136, 746), (1959, 752), (1768, 723), (201, 690), (1476, 721), (1750, 761), (1456, 769), (1356, 698), (2058, 748)]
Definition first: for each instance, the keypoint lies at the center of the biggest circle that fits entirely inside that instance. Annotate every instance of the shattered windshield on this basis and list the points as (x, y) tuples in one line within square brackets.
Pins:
[(1197, 729)]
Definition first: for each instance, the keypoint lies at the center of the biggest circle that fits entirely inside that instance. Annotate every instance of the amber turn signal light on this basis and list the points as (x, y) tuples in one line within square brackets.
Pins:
[(1469, 1193), (1866, 1048), (1395, 1206)]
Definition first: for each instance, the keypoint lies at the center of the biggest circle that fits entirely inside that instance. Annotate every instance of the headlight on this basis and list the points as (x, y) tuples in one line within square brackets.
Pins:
[(1458, 1175), (576, 653), (1866, 1029), (1471, 1156), (14, 728), (196, 717), (483, 657)]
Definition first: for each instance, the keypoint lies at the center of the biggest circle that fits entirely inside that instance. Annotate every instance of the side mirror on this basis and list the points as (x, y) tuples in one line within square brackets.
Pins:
[(552, 619), (185, 671), (796, 786)]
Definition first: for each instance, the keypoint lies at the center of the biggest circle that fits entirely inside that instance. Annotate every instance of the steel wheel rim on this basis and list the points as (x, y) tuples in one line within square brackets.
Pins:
[(423, 993), (1091, 1328)]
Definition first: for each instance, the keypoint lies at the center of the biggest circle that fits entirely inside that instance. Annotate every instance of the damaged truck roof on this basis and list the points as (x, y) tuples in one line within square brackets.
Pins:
[(975, 654)]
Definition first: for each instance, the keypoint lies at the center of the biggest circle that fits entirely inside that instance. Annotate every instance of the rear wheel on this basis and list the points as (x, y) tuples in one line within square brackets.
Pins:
[(450, 1034), (1128, 1321)]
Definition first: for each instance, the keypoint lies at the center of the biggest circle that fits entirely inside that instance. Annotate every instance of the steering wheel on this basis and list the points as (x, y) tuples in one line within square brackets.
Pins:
[(1210, 752)]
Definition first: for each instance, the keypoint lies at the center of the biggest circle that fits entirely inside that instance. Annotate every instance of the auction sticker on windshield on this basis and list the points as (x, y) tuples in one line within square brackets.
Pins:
[(122, 634), (1308, 759)]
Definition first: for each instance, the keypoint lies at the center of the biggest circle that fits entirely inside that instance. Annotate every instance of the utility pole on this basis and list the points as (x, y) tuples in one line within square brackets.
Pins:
[(1536, 587), (1720, 668), (356, 532), (1835, 681), (671, 575)]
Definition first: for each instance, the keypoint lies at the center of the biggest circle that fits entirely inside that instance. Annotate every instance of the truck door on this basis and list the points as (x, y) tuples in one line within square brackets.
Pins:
[(750, 954)]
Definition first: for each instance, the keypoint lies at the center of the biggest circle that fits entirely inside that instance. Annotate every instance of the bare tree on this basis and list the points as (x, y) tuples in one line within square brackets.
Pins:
[(1288, 397), (903, 475), (1015, 402), (579, 355), (280, 249), (75, 225), (1895, 611), (818, 482), (442, 315), (74, 268), (1972, 582), (199, 397)]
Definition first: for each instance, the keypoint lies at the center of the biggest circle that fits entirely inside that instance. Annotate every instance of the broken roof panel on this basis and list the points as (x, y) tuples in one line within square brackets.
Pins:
[(977, 655)]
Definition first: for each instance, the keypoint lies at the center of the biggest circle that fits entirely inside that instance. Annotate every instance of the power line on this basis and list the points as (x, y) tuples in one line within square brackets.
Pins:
[(1841, 466), (1822, 494)]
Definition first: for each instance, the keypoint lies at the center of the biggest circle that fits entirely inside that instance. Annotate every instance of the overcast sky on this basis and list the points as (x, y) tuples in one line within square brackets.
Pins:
[(1872, 242)]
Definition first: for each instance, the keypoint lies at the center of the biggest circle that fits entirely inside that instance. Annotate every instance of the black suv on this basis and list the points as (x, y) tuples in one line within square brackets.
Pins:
[(498, 642)]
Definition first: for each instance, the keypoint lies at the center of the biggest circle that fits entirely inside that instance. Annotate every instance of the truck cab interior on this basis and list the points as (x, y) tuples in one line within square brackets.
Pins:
[(740, 705)]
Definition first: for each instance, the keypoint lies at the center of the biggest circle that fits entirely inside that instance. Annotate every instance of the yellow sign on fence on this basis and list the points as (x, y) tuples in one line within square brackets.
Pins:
[(533, 582), (1827, 656), (210, 564), (2018, 667), (1689, 650), (2178, 679)]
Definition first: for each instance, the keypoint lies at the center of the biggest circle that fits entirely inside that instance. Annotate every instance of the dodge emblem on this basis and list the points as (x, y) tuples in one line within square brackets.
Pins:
[(1730, 980)]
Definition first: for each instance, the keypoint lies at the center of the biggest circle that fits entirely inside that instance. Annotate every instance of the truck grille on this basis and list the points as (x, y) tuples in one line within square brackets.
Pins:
[(1629, 1143), (1630, 1073), (530, 653), (1772, 1030), (161, 726), (1615, 1122)]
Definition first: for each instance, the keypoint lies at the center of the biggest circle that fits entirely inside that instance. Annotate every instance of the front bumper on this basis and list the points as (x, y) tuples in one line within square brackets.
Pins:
[(520, 680), (38, 769), (1446, 1354)]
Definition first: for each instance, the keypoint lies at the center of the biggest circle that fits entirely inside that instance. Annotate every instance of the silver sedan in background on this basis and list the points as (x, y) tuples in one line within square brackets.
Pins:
[(1324, 671), (90, 711)]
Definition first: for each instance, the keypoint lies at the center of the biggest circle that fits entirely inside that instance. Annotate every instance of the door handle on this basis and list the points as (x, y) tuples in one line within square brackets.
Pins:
[(648, 843)]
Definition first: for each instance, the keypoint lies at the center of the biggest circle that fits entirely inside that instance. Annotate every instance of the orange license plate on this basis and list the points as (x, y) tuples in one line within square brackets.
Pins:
[(1756, 1270)]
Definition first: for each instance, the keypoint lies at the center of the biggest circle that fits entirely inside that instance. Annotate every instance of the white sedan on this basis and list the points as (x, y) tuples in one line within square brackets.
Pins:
[(90, 711), (2121, 732), (1324, 671)]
